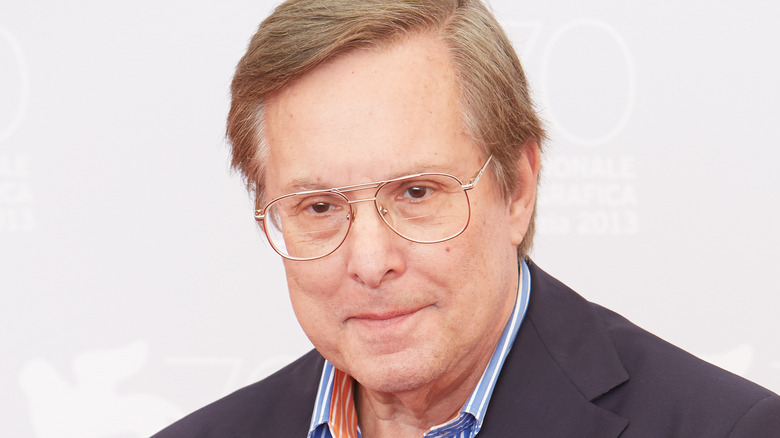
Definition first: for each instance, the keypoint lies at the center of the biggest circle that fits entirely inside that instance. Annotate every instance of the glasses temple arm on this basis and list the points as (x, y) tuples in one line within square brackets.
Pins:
[(258, 209), (475, 179)]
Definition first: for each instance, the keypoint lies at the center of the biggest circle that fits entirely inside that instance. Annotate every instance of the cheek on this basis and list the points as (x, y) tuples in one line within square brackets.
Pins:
[(489, 252), (313, 311), (313, 289), (313, 278)]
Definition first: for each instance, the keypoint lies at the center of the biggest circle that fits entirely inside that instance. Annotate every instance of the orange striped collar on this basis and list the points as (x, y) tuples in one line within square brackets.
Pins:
[(343, 416)]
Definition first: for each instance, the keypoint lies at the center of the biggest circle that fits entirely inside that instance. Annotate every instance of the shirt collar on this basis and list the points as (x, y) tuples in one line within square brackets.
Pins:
[(337, 405)]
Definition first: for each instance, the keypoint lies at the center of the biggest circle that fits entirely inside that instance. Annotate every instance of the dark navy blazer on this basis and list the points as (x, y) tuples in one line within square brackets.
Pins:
[(575, 370)]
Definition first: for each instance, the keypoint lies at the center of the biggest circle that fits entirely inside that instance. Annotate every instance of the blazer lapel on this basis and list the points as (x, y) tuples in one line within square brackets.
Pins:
[(560, 362)]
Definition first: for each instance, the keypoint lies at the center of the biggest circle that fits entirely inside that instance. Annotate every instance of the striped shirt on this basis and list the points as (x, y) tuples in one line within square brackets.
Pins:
[(334, 413)]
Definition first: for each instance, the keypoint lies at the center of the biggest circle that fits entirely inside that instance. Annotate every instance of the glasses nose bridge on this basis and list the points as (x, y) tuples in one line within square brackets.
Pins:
[(376, 187), (355, 201), (379, 209)]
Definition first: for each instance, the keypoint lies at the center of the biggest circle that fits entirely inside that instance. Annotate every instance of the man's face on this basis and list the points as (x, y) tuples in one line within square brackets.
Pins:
[(395, 314)]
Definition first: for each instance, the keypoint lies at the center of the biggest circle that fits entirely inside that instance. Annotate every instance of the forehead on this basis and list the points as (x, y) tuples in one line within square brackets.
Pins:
[(368, 115)]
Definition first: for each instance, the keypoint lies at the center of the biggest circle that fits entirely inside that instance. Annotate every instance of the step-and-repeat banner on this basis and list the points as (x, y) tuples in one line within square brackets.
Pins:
[(135, 286)]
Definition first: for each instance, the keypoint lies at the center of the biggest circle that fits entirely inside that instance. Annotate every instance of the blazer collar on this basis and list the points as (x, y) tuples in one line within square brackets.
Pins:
[(561, 361)]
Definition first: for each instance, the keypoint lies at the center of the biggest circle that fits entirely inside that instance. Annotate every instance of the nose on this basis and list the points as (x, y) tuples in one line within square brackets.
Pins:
[(375, 254)]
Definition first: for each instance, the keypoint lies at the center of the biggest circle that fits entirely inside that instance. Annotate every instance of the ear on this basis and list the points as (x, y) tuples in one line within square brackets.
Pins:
[(523, 200)]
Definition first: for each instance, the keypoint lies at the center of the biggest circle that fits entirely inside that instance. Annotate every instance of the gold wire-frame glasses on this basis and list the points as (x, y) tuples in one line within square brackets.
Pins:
[(427, 207)]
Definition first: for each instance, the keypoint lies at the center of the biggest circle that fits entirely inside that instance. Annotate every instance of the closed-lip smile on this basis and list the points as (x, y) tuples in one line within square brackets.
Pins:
[(383, 319)]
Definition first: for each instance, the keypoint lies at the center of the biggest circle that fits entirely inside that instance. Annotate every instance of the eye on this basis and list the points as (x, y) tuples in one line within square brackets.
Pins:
[(417, 192), (315, 205), (320, 207)]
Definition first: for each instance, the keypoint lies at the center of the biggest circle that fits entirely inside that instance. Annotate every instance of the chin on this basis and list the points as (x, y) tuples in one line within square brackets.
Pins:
[(394, 376)]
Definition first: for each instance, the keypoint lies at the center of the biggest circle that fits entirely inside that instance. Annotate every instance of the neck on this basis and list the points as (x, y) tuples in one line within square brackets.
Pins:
[(412, 413)]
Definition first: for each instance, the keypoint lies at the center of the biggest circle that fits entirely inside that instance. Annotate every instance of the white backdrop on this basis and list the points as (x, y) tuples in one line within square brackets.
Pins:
[(135, 287)]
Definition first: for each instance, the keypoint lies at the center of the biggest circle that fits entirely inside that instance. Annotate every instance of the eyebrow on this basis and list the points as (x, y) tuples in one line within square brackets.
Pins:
[(307, 184)]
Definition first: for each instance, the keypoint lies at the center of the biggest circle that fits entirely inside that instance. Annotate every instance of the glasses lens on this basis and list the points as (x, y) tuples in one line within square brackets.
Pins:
[(307, 226), (427, 208)]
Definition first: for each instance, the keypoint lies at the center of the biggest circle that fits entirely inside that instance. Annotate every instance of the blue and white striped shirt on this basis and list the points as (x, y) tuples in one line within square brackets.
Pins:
[(469, 422)]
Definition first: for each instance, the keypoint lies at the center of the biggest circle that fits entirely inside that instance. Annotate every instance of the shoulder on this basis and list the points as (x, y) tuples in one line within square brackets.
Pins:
[(660, 389), (670, 386), (280, 404)]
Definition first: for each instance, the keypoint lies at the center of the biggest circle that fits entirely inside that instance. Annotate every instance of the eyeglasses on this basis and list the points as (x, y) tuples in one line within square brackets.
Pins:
[(424, 208)]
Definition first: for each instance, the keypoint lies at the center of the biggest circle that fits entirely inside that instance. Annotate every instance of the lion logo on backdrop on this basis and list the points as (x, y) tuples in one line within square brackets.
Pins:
[(93, 406)]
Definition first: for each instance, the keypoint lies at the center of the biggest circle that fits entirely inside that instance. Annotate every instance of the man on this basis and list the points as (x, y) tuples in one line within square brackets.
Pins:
[(395, 154)]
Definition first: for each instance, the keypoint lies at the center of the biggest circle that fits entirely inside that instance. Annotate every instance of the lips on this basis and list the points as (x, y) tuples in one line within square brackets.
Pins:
[(384, 315), (383, 319)]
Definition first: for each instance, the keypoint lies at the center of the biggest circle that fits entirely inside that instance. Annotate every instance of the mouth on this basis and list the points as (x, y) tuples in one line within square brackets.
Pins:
[(380, 320)]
